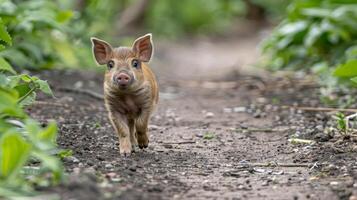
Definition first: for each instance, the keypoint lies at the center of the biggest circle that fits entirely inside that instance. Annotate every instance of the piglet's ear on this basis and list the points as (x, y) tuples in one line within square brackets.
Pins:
[(143, 47), (102, 51)]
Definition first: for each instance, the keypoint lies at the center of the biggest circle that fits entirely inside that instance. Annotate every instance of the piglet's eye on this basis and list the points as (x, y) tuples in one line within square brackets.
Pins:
[(110, 64), (135, 63)]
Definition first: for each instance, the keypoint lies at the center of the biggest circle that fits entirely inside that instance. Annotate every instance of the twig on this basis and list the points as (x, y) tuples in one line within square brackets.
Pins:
[(45, 103), (321, 109), (257, 130), (273, 164), (83, 91), (182, 142), (302, 141)]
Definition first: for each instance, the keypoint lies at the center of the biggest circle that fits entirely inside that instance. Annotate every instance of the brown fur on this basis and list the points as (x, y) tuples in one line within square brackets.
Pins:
[(130, 108)]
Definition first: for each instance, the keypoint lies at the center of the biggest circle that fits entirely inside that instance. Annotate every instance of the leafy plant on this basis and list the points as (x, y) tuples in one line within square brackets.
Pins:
[(316, 36), (22, 139), (36, 28), (183, 16), (341, 122), (208, 136)]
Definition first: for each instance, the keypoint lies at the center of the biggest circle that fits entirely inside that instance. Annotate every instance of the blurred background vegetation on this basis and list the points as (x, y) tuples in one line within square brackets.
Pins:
[(312, 36), (49, 34)]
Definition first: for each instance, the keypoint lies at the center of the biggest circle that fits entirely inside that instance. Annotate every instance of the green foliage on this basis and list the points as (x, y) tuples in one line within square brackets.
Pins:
[(21, 138), (186, 16), (208, 136), (341, 122), (316, 36), (34, 27), (274, 9)]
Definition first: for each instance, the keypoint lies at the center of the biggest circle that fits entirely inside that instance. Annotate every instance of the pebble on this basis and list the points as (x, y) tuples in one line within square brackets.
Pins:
[(99, 157), (239, 109), (108, 166), (262, 100), (227, 110), (72, 159), (209, 114), (320, 127), (265, 183), (153, 127), (132, 168), (333, 183)]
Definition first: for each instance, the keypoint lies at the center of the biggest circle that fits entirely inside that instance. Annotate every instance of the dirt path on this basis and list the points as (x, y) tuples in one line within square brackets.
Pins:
[(202, 139)]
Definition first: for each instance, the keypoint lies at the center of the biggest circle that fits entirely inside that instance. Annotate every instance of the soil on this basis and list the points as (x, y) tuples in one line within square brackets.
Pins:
[(212, 137)]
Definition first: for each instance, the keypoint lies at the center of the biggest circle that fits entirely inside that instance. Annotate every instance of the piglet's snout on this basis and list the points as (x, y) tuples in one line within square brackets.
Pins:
[(122, 79)]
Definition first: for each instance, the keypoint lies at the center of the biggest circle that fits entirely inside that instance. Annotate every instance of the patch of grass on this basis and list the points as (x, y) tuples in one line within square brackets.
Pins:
[(208, 136)]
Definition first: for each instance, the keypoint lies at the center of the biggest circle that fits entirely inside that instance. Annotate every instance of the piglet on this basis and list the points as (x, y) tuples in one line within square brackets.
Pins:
[(130, 89)]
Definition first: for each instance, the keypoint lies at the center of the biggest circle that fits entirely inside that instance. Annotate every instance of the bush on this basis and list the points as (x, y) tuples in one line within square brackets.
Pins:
[(35, 27), (22, 140), (186, 16), (317, 36)]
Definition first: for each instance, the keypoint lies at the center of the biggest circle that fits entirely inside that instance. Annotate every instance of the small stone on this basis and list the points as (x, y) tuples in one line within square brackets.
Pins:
[(72, 159), (209, 114), (200, 135), (257, 114), (108, 166), (153, 127), (99, 157), (334, 183), (78, 84), (168, 146), (265, 183), (132, 168), (262, 100), (320, 127), (227, 110), (239, 109)]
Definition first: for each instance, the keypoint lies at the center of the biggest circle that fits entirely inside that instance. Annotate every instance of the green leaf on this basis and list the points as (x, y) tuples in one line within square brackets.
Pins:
[(351, 52), (30, 99), (23, 89), (313, 35), (39, 136), (2, 47), (64, 16), (26, 78), (316, 12), (8, 103), (63, 153), (50, 162), (4, 35), (5, 66), (349, 69), (354, 79), (44, 87), (49, 133), (14, 153), (292, 28)]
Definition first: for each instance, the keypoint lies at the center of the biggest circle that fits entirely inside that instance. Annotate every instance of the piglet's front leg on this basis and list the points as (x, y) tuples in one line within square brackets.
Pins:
[(142, 130), (121, 126)]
